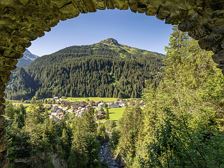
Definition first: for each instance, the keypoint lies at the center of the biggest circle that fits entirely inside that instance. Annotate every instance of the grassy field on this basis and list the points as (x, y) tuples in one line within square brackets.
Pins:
[(76, 99), (116, 113)]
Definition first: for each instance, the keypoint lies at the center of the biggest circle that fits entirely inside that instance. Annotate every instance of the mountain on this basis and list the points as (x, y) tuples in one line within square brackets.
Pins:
[(104, 69), (22, 84), (27, 59)]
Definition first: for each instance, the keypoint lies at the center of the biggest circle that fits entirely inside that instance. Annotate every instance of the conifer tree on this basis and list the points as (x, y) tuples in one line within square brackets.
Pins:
[(179, 123)]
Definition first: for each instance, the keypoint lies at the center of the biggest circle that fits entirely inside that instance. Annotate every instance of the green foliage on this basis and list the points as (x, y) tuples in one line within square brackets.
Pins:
[(22, 85), (101, 132), (32, 136), (107, 113), (21, 117), (130, 126), (86, 71), (85, 146), (180, 118), (114, 133)]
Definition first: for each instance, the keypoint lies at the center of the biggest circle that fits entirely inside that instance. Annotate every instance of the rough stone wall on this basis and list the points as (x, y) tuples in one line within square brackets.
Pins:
[(22, 21)]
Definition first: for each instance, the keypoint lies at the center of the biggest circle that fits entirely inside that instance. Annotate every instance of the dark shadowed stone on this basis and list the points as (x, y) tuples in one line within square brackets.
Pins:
[(100, 4), (219, 57), (162, 13), (210, 41)]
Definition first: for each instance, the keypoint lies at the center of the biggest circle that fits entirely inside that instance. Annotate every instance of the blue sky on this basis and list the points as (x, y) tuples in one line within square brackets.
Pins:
[(137, 30)]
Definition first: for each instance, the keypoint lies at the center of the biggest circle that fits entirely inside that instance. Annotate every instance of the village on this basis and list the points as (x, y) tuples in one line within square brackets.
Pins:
[(60, 107)]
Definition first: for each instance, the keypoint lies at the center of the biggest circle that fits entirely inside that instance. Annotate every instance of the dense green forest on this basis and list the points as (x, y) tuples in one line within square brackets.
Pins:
[(34, 140), (105, 69), (180, 126)]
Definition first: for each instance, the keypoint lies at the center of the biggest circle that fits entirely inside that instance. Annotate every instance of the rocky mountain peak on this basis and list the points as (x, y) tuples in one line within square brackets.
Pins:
[(110, 41), (27, 59)]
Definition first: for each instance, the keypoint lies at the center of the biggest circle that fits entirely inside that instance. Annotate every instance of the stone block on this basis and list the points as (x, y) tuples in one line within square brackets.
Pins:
[(100, 4), (24, 2), (218, 57)]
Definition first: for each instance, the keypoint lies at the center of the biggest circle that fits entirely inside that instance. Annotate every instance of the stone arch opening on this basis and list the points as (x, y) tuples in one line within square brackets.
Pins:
[(22, 21)]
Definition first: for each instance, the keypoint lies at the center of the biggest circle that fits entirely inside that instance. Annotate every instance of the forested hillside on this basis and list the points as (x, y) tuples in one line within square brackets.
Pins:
[(104, 69)]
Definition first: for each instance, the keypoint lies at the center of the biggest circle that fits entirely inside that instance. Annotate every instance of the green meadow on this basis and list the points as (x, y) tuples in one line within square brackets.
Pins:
[(116, 113)]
